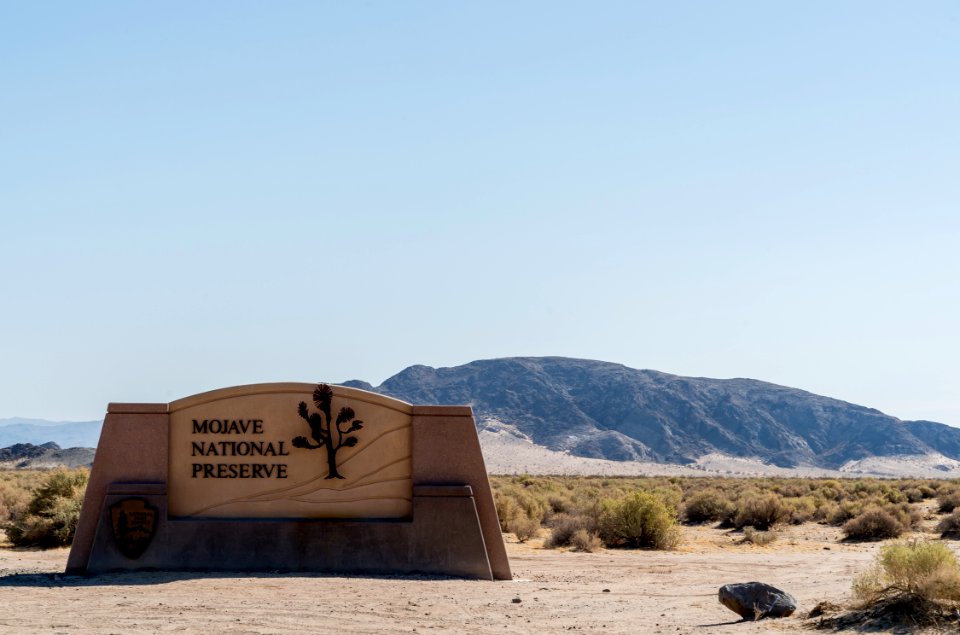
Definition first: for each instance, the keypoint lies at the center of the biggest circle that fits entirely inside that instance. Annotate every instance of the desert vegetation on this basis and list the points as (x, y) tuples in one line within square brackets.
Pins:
[(647, 512), (41, 508)]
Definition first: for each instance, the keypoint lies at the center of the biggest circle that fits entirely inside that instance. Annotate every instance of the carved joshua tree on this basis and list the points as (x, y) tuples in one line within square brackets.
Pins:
[(327, 432)]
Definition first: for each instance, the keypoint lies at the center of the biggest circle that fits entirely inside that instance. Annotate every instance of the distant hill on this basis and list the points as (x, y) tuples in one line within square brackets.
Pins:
[(602, 410), (27, 455), (66, 434)]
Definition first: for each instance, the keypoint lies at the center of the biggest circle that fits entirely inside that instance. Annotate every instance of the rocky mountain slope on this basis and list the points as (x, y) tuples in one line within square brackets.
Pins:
[(609, 411)]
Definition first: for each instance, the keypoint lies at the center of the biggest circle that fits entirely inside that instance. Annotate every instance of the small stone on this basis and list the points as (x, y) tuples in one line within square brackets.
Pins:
[(606, 590), (823, 608), (517, 600)]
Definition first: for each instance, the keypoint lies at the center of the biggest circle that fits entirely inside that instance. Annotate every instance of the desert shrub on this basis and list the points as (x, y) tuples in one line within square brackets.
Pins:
[(532, 505), (639, 520), (706, 506), (793, 488), (582, 540), (825, 512), (949, 526), (563, 528), (800, 510), (949, 501), (866, 488), (894, 495), (906, 514), (507, 509), (829, 490), (921, 570), (523, 527), (50, 519), (733, 502), (873, 524), (558, 504), (14, 499), (846, 510), (914, 495), (760, 511), (672, 497), (759, 538), (927, 492)]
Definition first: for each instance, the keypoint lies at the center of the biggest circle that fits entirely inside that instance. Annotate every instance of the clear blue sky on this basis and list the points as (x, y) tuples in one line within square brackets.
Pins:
[(200, 194)]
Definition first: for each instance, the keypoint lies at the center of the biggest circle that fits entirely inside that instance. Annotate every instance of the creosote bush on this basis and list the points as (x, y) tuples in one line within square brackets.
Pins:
[(760, 511), (639, 520), (801, 509), (50, 518), (873, 524), (708, 505), (949, 526), (949, 501)]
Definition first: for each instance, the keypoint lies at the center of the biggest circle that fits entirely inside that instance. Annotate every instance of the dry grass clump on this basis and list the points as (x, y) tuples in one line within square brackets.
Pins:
[(759, 538), (916, 580), (911, 585), (523, 527), (582, 540), (920, 569), (50, 518)]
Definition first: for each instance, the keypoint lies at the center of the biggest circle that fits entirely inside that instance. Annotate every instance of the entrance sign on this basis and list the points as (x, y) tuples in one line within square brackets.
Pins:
[(271, 455), (296, 477)]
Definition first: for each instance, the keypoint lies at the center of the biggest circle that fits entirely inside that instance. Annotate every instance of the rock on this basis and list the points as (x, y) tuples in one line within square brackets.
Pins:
[(823, 608), (756, 600)]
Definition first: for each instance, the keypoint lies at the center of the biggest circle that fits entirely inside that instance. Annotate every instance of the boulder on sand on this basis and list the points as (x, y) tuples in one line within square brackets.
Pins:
[(756, 600)]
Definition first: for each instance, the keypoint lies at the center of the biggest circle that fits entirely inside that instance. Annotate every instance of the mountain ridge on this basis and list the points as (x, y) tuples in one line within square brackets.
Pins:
[(602, 410), (597, 409)]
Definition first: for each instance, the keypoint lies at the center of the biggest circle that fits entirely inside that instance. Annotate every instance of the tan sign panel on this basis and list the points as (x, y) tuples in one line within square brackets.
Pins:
[(290, 451)]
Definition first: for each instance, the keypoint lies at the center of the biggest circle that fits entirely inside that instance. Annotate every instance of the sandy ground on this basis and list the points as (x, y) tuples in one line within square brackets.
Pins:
[(612, 591)]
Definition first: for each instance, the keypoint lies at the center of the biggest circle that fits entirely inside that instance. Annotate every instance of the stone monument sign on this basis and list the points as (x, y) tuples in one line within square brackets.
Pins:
[(294, 477)]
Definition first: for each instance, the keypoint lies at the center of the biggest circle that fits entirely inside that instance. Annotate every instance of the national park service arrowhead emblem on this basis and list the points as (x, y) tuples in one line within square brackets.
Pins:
[(134, 523)]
